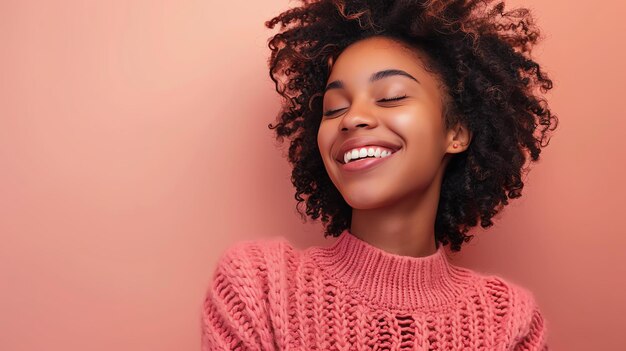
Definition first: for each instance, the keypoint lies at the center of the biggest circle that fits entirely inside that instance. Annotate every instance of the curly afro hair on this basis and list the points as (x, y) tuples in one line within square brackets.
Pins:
[(493, 87)]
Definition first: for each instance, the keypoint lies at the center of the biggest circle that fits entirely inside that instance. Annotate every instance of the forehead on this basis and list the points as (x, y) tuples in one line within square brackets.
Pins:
[(366, 56)]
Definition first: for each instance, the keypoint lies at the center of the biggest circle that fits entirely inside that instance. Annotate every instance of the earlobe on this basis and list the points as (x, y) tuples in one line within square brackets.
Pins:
[(459, 137)]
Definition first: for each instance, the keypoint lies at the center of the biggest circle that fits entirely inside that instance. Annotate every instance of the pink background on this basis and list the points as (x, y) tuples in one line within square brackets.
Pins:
[(134, 149)]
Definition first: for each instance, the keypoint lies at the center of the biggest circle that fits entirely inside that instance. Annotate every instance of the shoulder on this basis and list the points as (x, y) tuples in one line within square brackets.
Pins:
[(255, 253), (253, 262), (508, 293), (494, 290)]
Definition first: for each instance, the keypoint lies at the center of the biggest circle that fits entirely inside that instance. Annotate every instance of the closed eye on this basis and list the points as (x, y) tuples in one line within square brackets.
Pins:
[(328, 113), (393, 98)]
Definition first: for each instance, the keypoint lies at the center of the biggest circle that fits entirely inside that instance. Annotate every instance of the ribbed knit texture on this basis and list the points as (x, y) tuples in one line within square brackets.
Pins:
[(351, 295)]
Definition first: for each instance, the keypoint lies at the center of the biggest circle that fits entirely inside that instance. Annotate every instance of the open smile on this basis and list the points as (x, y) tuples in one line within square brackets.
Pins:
[(365, 163)]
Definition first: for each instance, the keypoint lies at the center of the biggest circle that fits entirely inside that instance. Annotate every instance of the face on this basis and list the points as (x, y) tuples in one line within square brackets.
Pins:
[(410, 126)]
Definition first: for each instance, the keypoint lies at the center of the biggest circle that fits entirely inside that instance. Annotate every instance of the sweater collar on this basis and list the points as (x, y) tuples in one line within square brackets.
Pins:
[(391, 280)]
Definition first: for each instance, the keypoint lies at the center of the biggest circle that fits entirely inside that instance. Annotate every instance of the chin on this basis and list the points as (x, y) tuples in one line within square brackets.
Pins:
[(365, 200)]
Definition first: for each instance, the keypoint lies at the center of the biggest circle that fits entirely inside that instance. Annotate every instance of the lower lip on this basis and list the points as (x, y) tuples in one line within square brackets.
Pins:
[(364, 164)]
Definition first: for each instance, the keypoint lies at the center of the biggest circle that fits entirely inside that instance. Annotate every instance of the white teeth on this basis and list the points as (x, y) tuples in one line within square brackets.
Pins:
[(354, 154), (364, 152)]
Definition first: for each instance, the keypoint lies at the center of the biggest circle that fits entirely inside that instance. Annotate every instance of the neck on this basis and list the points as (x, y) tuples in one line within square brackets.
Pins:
[(405, 227)]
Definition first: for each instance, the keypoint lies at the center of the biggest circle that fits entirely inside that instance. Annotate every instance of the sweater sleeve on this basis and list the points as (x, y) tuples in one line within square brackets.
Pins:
[(535, 338), (234, 312), (532, 332)]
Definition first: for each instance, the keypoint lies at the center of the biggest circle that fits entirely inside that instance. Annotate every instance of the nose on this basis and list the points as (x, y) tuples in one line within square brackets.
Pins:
[(359, 115)]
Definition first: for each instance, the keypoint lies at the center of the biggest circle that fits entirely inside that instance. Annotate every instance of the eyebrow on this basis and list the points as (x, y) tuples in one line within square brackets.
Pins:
[(338, 84)]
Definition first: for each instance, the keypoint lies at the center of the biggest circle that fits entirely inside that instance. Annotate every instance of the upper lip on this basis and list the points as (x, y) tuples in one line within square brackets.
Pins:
[(352, 143)]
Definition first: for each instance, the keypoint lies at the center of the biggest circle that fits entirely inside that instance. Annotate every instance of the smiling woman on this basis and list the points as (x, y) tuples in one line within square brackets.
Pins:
[(410, 122)]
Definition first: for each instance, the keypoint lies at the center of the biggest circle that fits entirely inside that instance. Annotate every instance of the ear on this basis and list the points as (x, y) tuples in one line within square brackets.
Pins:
[(460, 135)]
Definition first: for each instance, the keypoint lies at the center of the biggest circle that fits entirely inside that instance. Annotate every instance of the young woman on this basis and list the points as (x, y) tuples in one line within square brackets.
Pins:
[(409, 122)]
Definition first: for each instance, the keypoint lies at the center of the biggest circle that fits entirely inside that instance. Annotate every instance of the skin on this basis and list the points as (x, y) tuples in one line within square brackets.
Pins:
[(394, 205)]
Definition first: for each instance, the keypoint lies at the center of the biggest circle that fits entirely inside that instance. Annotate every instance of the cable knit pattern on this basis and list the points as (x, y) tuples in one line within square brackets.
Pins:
[(267, 295)]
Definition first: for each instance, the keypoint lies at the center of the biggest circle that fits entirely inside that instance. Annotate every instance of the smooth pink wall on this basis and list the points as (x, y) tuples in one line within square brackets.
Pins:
[(134, 149)]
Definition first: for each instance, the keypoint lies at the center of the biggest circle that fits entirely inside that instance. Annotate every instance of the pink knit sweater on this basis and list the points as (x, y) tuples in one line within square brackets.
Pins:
[(267, 295)]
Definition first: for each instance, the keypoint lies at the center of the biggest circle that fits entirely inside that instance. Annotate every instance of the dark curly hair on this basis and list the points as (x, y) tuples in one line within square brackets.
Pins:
[(493, 86)]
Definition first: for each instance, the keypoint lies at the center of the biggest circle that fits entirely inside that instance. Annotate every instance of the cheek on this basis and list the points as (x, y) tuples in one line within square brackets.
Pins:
[(417, 125), (421, 130)]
